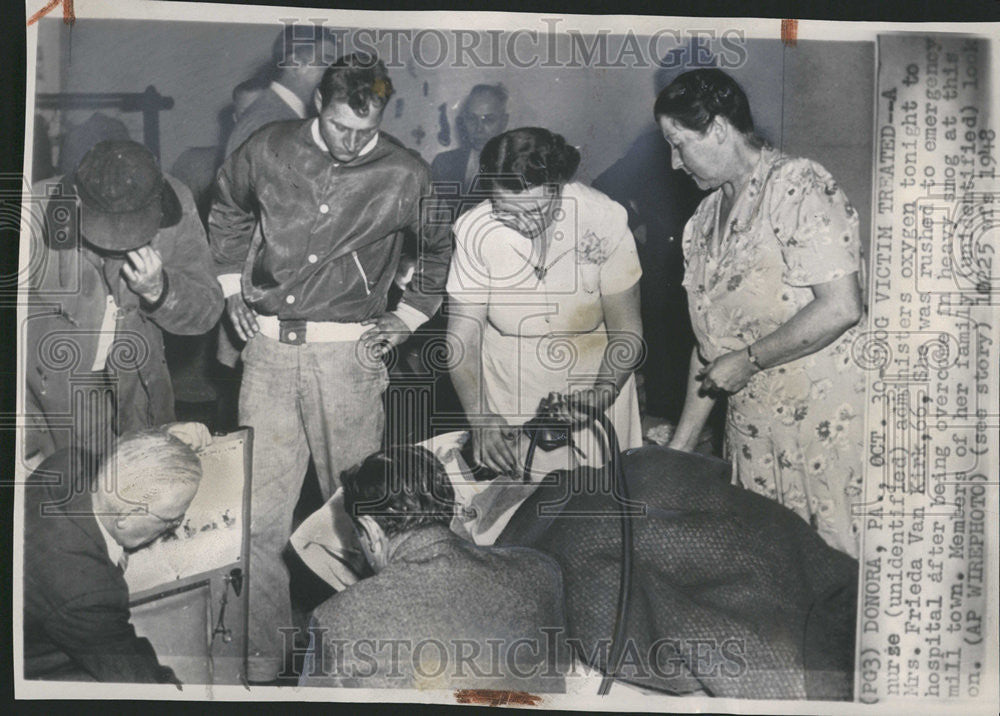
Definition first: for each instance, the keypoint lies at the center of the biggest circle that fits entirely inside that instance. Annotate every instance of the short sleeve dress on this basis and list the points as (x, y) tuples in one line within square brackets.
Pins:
[(795, 432), (545, 330)]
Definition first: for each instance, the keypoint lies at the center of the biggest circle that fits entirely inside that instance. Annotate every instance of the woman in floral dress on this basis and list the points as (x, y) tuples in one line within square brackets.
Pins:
[(772, 267), (544, 297)]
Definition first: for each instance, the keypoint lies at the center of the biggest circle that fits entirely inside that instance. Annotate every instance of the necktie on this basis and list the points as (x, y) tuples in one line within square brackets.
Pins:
[(123, 561)]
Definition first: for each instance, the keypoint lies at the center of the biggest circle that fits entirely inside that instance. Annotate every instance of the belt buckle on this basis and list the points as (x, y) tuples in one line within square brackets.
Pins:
[(292, 332)]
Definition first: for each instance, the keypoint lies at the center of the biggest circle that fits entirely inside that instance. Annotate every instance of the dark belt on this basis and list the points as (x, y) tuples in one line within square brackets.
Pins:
[(292, 331)]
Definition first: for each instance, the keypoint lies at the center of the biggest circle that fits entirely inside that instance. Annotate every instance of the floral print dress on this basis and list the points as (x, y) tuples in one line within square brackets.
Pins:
[(795, 432)]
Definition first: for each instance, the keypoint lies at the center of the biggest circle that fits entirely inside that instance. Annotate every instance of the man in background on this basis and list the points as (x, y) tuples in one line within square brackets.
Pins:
[(78, 139), (482, 117), (197, 166), (246, 93), (76, 547), (206, 388), (298, 60)]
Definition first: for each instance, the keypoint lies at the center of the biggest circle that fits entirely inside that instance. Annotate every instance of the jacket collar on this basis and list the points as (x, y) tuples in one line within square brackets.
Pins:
[(290, 98), (115, 550), (321, 143), (421, 543)]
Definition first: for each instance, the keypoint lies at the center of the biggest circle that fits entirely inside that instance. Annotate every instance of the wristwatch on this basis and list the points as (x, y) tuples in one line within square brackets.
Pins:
[(753, 359)]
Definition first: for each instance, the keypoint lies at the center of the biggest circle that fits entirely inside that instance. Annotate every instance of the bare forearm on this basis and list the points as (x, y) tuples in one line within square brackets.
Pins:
[(815, 326), (621, 358), (836, 307), (697, 408), (468, 385), (465, 351), (623, 323)]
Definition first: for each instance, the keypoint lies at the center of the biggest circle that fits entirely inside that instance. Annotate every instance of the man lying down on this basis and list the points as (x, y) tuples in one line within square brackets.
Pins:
[(440, 612), (730, 594)]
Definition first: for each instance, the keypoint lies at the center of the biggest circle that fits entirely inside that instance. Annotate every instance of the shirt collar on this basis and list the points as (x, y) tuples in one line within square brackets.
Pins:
[(321, 143), (115, 550), (289, 98)]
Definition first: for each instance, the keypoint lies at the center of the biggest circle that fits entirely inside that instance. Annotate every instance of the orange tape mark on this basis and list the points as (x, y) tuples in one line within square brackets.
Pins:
[(492, 697), (790, 32), (69, 16)]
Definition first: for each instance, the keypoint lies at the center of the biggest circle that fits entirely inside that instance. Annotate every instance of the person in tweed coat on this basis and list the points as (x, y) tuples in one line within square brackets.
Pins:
[(439, 612)]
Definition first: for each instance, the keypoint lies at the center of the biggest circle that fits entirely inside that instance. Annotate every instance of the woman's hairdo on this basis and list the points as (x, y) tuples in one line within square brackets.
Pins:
[(697, 97), (401, 488), (526, 157), (359, 79)]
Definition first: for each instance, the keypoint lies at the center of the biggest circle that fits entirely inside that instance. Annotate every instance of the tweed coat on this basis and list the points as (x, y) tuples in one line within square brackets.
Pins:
[(439, 600)]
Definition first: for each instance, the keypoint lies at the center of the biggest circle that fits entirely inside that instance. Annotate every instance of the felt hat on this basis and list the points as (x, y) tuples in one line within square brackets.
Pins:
[(124, 196)]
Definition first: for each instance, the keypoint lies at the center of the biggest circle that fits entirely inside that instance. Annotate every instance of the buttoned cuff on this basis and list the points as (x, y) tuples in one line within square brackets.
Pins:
[(231, 284), (410, 316)]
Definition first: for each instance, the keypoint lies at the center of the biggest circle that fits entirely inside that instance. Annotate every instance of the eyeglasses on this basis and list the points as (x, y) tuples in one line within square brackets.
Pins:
[(172, 523)]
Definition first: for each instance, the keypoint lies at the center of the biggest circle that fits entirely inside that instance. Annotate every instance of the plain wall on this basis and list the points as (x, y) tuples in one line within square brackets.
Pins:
[(814, 99)]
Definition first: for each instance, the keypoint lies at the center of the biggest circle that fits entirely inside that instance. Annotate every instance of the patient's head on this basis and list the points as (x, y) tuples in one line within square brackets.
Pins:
[(145, 486), (395, 492)]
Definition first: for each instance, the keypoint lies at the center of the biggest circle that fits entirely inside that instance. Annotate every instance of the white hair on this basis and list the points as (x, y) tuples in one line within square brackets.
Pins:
[(144, 465)]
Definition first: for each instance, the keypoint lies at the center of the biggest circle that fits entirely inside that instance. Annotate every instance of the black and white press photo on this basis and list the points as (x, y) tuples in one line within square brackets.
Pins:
[(560, 361)]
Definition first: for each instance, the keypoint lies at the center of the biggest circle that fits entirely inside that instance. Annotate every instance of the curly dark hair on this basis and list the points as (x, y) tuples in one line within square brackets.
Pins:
[(359, 79), (526, 157), (402, 488), (697, 97)]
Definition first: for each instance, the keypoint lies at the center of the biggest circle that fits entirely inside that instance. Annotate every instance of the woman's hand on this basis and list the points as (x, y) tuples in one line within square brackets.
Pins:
[(493, 445), (582, 403), (728, 373)]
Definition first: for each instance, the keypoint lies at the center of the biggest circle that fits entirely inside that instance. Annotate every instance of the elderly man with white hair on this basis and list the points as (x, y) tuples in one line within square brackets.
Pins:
[(83, 517)]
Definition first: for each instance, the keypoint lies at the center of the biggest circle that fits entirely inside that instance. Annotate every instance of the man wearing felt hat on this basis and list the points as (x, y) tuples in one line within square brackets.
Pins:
[(118, 255)]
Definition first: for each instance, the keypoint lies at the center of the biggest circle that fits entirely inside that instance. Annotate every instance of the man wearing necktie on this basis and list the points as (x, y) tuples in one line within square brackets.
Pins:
[(483, 116)]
